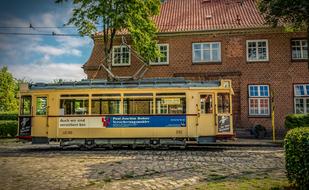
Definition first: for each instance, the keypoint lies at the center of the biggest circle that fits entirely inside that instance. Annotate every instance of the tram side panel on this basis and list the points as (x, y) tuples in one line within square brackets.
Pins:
[(195, 127)]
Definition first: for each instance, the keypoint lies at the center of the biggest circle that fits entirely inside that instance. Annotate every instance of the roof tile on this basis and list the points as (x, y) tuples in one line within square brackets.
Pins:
[(206, 15), (195, 15)]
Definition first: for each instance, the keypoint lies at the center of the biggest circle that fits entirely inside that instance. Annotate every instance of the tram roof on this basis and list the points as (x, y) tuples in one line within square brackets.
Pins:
[(144, 83)]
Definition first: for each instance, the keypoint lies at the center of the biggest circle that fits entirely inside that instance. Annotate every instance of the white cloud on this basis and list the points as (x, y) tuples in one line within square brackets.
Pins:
[(55, 51), (31, 57), (74, 42), (46, 71)]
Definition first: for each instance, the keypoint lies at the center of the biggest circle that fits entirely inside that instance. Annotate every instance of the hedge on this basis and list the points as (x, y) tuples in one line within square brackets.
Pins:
[(296, 144), (9, 116), (296, 120), (8, 128)]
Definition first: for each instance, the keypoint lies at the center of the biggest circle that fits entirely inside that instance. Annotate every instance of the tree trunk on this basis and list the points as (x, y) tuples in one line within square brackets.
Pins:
[(109, 66)]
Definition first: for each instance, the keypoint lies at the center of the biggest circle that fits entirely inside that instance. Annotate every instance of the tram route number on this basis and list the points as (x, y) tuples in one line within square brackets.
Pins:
[(67, 132)]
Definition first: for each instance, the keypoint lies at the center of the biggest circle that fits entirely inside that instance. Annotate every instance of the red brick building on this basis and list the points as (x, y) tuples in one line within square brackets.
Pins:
[(215, 39)]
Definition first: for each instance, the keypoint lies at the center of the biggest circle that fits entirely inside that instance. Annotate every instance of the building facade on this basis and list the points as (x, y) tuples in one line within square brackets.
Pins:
[(224, 39)]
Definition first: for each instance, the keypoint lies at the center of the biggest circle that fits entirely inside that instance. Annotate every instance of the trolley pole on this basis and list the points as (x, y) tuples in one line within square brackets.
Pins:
[(273, 115)]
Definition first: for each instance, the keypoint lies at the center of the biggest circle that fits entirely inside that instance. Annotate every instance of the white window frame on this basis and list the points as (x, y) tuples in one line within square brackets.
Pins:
[(159, 59), (202, 55), (301, 49), (121, 64), (259, 98), (257, 52), (304, 97)]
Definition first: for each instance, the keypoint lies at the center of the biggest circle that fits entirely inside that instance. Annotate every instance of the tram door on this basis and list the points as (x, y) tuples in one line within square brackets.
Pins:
[(224, 118), (40, 120), (25, 117), (206, 119)]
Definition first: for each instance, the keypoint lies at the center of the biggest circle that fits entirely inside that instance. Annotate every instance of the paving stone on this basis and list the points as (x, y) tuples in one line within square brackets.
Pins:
[(25, 166)]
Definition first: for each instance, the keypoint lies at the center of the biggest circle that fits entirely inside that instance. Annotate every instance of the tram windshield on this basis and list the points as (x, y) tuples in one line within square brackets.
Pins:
[(223, 103)]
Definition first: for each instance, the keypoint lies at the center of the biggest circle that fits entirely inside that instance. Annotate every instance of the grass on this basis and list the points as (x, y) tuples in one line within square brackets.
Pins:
[(129, 175), (244, 184), (215, 176), (8, 140)]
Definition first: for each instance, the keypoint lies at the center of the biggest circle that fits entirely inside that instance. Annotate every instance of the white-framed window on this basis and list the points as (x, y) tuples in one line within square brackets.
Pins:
[(259, 100), (299, 49), (206, 52), (257, 50), (121, 56), (301, 98), (164, 59)]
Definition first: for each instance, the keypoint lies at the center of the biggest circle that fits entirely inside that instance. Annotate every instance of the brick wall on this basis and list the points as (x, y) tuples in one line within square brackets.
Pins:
[(280, 72)]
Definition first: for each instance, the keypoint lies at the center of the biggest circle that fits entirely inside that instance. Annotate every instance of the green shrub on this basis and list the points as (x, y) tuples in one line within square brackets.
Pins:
[(8, 128), (296, 120), (9, 116), (296, 144)]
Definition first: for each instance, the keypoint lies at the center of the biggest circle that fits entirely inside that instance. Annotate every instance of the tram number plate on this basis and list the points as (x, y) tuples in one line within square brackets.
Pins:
[(67, 132), (178, 132)]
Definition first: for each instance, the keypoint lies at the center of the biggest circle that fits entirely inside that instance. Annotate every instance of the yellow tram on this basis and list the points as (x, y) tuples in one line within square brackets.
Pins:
[(147, 112)]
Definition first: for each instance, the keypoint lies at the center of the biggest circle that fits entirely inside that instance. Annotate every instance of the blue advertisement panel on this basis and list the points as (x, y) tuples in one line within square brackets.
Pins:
[(144, 121)]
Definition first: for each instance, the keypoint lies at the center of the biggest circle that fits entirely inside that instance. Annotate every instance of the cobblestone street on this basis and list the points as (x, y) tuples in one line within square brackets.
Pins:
[(25, 166)]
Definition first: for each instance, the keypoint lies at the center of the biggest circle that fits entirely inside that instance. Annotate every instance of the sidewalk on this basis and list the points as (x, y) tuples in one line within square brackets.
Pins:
[(245, 142)]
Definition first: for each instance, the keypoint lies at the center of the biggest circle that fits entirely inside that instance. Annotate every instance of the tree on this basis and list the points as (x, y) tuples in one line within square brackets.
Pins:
[(58, 81), (133, 17), (8, 91), (292, 14)]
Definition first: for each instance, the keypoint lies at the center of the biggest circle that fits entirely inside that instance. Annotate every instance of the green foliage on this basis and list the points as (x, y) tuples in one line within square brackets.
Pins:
[(130, 16), (291, 13), (8, 116), (296, 120), (8, 128), (8, 91), (296, 144)]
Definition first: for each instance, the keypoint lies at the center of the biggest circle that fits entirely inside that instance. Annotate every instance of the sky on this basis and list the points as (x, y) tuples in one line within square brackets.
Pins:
[(41, 58)]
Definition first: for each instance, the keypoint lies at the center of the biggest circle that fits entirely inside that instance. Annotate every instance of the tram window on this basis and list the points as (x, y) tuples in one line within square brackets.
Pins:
[(171, 105), (99, 106), (138, 106), (206, 104), (223, 103), (25, 107), (105, 95), (74, 95), (74, 106), (41, 105)]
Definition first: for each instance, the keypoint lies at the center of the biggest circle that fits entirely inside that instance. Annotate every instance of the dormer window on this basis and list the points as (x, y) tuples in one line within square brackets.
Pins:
[(121, 56), (163, 60)]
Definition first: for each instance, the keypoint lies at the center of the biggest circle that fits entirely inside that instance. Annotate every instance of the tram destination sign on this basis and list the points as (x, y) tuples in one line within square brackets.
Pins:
[(122, 121)]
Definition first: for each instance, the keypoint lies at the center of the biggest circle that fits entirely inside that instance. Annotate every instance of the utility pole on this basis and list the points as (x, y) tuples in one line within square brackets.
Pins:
[(273, 114)]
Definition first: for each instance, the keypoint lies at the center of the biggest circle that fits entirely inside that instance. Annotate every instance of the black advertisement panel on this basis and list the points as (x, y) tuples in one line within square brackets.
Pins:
[(224, 124), (25, 126)]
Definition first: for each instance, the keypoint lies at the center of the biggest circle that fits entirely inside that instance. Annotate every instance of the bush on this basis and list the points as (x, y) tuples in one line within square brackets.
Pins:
[(9, 116), (8, 128), (296, 120), (296, 144)]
